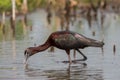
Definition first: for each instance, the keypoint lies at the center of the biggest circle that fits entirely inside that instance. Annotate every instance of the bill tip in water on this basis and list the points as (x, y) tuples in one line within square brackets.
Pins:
[(25, 61), (25, 64)]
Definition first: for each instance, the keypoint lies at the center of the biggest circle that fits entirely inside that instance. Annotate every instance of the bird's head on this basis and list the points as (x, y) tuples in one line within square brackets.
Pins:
[(27, 53)]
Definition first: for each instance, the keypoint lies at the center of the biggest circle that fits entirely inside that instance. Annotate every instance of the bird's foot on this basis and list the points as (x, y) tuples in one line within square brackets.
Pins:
[(84, 59), (65, 61), (74, 61), (69, 61)]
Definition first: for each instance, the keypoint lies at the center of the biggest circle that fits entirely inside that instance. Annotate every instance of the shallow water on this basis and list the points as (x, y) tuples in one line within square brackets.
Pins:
[(48, 66)]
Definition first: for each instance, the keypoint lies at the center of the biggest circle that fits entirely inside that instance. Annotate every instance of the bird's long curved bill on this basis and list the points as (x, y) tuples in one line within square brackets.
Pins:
[(26, 57)]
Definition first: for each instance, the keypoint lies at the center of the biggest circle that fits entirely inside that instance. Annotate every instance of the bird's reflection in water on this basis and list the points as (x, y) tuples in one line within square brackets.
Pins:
[(78, 71), (69, 73)]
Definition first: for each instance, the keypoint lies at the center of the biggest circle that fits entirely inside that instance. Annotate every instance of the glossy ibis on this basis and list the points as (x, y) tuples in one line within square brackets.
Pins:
[(65, 40)]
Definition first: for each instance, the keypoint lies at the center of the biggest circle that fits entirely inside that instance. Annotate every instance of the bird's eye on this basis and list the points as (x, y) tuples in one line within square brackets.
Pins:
[(27, 52)]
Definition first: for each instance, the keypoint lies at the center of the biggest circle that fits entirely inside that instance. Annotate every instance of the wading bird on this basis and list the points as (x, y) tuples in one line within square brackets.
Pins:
[(65, 40)]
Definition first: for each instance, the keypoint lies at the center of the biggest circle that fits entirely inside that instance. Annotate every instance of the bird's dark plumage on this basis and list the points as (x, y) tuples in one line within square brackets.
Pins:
[(66, 40), (72, 40)]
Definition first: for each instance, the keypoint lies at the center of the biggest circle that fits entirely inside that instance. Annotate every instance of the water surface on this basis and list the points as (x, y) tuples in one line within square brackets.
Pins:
[(48, 66)]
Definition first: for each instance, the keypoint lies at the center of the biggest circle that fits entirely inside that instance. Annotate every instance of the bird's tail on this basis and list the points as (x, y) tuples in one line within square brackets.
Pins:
[(95, 43)]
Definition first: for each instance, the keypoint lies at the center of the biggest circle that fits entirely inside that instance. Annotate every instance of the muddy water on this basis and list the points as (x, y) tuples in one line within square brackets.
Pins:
[(48, 66)]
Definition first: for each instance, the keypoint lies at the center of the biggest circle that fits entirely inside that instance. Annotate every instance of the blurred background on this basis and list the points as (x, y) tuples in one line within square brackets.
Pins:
[(25, 23)]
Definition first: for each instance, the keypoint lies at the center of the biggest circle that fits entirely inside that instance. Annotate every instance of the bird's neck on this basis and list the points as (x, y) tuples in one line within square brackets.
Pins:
[(41, 47)]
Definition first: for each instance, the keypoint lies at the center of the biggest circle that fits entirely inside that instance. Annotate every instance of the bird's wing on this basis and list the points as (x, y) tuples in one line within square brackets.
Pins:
[(87, 41), (65, 40), (82, 38)]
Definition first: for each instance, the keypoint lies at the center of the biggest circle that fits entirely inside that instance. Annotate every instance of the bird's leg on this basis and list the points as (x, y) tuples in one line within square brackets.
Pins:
[(74, 54), (84, 57), (69, 58)]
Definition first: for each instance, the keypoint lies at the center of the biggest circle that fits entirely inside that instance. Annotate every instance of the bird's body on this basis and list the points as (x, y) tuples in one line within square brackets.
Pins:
[(71, 40), (66, 40)]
